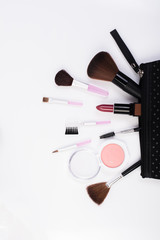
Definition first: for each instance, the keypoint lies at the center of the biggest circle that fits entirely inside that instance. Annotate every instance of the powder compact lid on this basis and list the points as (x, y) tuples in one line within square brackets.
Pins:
[(84, 164)]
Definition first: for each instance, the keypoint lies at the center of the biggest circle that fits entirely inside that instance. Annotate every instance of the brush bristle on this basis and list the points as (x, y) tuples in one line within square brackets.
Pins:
[(62, 78), (55, 151), (102, 67), (45, 99), (98, 192), (71, 130)]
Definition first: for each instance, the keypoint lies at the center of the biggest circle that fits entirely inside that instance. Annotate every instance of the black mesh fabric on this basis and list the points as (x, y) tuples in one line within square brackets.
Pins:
[(150, 120)]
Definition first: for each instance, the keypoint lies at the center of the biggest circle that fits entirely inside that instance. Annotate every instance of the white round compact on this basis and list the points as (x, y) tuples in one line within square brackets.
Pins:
[(84, 164)]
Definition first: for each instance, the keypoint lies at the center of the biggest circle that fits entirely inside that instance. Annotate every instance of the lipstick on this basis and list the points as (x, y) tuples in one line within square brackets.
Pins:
[(133, 109)]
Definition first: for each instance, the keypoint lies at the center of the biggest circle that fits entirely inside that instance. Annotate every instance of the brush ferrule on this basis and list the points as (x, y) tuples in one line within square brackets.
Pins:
[(89, 123), (76, 83), (67, 148), (126, 131), (109, 184), (95, 123), (127, 84), (52, 100), (124, 108), (120, 79)]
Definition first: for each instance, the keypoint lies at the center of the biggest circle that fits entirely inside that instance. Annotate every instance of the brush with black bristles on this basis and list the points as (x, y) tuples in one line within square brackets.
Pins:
[(99, 191), (62, 78), (103, 67), (72, 128)]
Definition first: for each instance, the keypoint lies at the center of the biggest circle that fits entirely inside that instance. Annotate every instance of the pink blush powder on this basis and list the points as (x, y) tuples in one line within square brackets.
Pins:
[(112, 155)]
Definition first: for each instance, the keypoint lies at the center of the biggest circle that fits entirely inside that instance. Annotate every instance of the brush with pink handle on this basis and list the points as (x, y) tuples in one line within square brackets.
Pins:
[(94, 123), (62, 101), (79, 144), (62, 78), (72, 127)]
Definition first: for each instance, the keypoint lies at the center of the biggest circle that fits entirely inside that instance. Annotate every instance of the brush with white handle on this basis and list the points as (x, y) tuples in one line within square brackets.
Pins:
[(93, 123), (72, 128), (60, 101), (62, 78), (79, 144)]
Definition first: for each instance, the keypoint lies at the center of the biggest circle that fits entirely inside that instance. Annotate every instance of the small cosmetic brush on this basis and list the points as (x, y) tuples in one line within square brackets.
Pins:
[(72, 128), (133, 109), (60, 101), (112, 134), (99, 191), (62, 78), (79, 144), (102, 67)]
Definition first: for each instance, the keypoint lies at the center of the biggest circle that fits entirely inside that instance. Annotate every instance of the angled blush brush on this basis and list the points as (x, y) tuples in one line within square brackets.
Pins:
[(62, 78), (102, 67), (99, 191)]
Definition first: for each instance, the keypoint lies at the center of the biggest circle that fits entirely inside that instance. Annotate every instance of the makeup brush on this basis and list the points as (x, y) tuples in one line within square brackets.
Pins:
[(60, 101), (79, 144), (112, 134), (133, 109), (99, 191), (62, 78), (72, 128), (103, 67)]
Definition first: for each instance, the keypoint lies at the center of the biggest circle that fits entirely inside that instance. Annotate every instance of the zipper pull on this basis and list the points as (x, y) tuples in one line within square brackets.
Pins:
[(140, 72)]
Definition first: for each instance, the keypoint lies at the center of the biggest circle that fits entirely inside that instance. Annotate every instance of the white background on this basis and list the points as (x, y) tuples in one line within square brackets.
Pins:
[(38, 197)]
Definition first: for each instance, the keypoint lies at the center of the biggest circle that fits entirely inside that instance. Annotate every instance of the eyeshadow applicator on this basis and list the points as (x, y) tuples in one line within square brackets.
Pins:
[(133, 109), (103, 67), (62, 78)]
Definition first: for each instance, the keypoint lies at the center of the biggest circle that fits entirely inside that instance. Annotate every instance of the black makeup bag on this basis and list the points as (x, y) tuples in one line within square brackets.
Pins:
[(149, 122)]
